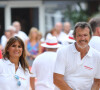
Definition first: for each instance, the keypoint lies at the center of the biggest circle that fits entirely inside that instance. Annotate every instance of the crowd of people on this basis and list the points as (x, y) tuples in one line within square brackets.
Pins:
[(64, 60), (34, 39)]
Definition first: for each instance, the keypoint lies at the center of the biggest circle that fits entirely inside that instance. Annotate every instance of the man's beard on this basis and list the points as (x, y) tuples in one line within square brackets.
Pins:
[(82, 47)]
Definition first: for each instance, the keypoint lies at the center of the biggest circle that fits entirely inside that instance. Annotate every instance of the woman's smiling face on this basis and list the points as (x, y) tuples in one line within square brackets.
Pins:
[(15, 50)]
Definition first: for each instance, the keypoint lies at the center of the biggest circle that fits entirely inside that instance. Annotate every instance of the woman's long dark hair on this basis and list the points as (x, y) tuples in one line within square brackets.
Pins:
[(22, 60)]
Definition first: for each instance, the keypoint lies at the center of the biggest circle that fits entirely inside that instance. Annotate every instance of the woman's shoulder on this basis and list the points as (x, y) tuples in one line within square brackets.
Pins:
[(27, 72), (1, 65), (1, 61)]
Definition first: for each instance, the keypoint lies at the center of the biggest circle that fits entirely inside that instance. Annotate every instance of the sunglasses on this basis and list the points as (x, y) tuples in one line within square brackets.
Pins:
[(18, 81)]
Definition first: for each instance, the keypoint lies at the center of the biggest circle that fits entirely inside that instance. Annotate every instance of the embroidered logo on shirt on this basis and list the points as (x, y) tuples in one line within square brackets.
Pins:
[(89, 68), (22, 78)]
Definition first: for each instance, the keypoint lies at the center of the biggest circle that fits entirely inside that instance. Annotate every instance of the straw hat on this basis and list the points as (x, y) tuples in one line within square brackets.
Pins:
[(51, 42)]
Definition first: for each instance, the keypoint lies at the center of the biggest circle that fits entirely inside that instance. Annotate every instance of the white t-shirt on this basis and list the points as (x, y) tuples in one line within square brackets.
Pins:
[(42, 69), (78, 74), (22, 35), (7, 79), (95, 42)]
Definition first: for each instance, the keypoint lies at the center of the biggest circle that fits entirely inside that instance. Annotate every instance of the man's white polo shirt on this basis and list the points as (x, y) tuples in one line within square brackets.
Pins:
[(78, 74), (95, 42), (42, 69), (7, 79)]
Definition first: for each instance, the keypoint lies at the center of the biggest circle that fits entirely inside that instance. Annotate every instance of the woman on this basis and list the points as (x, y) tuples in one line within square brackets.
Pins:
[(53, 32), (14, 70), (33, 46)]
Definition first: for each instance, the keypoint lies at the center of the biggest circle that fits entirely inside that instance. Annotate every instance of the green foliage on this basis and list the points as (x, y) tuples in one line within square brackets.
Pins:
[(76, 16)]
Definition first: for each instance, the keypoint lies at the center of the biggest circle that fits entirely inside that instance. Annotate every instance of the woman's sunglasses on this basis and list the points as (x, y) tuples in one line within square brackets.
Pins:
[(18, 81)]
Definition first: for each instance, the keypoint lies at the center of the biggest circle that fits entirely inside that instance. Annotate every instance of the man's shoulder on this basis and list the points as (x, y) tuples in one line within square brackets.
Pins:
[(46, 56), (41, 56), (94, 51), (3, 37), (95, 39)]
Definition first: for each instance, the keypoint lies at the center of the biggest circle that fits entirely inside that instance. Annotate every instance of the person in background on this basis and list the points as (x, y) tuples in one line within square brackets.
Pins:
[(40, 36), (41, 40), (78, 64), (0, 46), (14, 69), (67, 30), (67, 27), (5, 38), (95, 41), (69, 33), (18, 31), (12, 30), (53, 32), (33, 45), (43, 66), (60, 34)]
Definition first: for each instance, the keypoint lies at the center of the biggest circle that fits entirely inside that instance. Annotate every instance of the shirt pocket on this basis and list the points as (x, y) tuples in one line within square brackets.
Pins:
[(5, 78)]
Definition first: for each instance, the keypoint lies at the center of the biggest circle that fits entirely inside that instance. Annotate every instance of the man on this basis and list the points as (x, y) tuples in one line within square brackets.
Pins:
[(61, 36), (18, 31), (43, 66), (67, 30), (95, 25), (67, 27), (9, 32), (78, 64)]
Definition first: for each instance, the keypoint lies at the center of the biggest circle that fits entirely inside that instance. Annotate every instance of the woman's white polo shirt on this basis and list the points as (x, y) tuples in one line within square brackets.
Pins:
[(7, 76)]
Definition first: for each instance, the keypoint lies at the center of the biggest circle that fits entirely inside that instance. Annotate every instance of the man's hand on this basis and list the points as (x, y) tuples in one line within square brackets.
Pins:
[(60, 83), (96, 84)]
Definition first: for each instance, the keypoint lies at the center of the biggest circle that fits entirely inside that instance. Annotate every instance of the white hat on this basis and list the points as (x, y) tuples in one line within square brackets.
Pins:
[(11, 28), (51, 42), (70, 39)]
